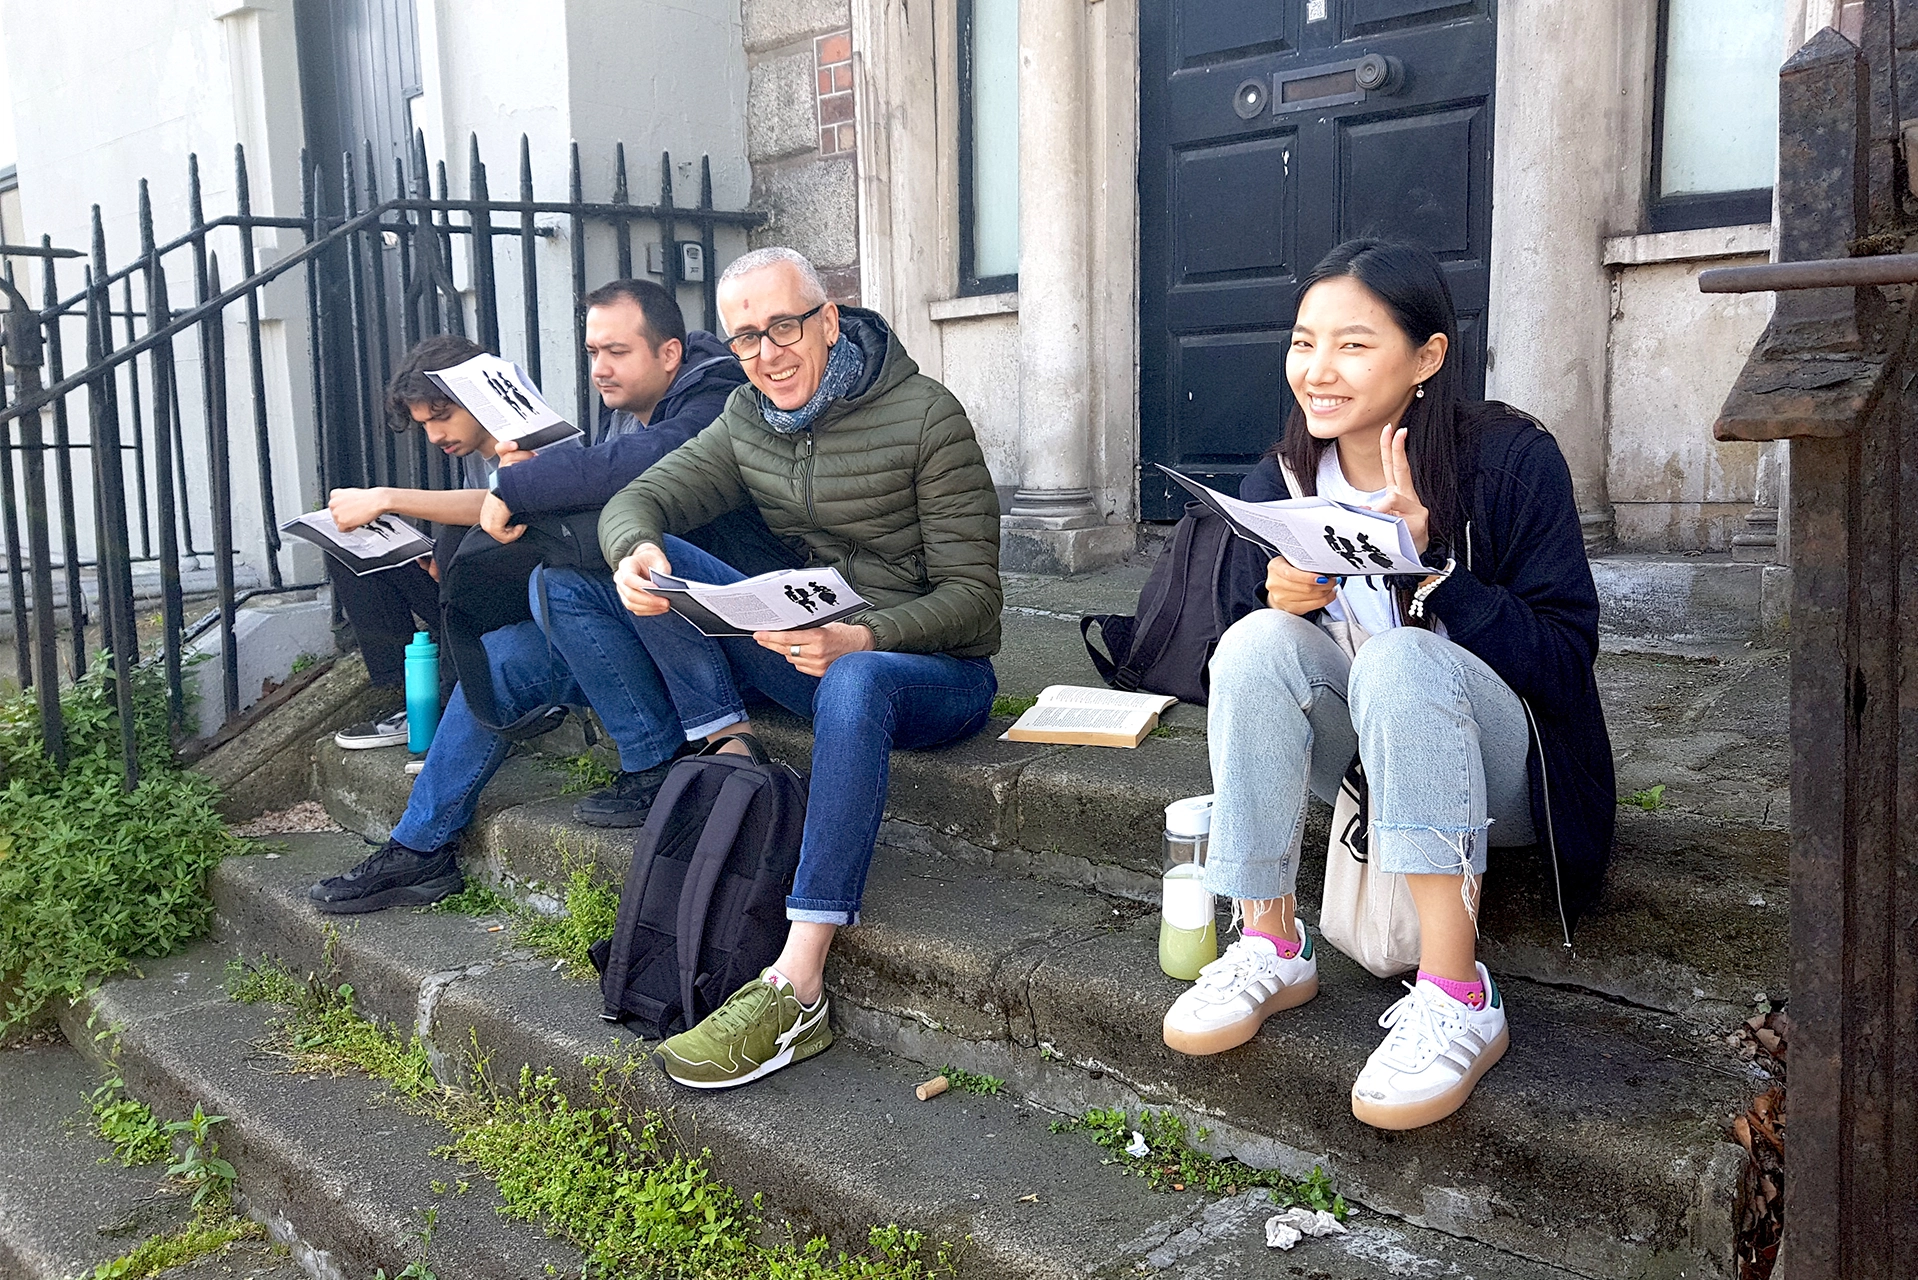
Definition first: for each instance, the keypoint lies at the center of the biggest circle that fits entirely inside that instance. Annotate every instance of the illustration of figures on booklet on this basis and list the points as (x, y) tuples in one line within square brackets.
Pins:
[(1317, 535), (385, 543), (504, 399), (783, 600)]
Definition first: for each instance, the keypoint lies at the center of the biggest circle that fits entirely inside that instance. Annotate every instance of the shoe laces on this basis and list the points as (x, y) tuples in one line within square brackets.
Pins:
[(743, 1008), (1240, 963), (1422, 1026)]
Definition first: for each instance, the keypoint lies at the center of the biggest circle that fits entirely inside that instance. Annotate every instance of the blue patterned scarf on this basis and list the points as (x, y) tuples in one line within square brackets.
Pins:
[(844, 364)]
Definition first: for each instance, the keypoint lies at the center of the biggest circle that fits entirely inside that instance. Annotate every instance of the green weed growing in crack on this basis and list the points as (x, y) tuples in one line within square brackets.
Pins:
[(968, 1082), (321, 1032), (417, 1268), (201, 1167), (137, 1135), (602, 1171), (1012, 706), (584, 772), (203, 1235), (591, 910), (1171, 1163), (477, 899)]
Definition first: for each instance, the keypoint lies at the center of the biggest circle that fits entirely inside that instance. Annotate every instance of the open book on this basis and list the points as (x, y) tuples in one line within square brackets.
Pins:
[(1081, 716), (499, 394), (1317, 535), (783, 600), (385, 543)]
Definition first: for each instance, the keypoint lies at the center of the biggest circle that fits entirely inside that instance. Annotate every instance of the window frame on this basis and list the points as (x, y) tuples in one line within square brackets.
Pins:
[(971, 284), (1690, 212)]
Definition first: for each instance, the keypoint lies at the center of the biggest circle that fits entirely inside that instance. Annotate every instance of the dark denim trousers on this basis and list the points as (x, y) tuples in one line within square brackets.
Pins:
[(865, 705)]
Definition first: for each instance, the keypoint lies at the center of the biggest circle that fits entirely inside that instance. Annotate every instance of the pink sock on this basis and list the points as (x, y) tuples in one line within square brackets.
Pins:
[(1469, 994), (1286, 947)]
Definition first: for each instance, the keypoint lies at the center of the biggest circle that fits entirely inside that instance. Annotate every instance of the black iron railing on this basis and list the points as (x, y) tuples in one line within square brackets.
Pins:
[(378, 275)]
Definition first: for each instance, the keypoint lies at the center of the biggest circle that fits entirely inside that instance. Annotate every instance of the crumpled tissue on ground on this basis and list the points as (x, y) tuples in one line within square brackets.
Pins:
[(1283, 1230), (1138, 1148)]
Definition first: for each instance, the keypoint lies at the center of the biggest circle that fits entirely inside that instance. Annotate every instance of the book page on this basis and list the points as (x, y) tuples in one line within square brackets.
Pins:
[(384, 543), (1073, 695), (786, 600), (1082, 719), (1317, 534)]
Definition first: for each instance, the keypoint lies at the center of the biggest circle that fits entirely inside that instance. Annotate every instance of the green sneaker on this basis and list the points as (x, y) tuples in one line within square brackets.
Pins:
[(761, 1028)]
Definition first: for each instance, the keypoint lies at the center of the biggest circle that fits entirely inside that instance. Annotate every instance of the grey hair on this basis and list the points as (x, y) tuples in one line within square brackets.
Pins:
[(812, 290)]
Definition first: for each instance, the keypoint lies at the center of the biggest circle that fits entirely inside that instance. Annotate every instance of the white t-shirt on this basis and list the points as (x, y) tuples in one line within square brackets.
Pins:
[(1373, 605)]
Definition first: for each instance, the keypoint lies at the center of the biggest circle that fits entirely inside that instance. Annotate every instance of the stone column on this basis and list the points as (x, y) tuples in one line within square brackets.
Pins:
[(1053, 524)]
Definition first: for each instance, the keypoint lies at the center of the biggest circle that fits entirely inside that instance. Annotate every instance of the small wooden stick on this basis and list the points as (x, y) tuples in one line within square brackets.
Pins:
[(932, 1088)]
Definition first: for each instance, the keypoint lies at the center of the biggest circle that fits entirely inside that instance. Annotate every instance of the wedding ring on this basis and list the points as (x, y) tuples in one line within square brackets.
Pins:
[(793, 651)]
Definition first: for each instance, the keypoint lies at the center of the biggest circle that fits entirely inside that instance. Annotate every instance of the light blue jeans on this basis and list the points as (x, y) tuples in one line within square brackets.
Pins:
[(1443, 739)]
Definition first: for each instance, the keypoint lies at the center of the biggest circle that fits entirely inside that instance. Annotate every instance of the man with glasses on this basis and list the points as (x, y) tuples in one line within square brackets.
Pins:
[(843, 446)]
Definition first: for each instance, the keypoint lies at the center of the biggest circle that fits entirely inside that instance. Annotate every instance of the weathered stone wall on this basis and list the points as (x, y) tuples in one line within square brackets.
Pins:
[(800, 135)]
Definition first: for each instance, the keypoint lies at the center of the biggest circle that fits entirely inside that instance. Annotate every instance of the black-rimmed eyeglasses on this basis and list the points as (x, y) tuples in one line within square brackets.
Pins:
[(782, 332)]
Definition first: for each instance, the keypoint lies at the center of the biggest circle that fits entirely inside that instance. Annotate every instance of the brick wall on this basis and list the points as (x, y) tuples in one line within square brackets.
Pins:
[(800, 135)]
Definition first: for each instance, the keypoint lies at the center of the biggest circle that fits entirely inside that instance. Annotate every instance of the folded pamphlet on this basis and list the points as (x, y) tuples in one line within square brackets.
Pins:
[(499, 394), (385, 543), (784, 600), (1317, 535), (1081, 716)]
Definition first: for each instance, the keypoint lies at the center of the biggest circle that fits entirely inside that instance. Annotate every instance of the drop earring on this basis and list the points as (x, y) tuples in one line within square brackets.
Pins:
[(1418, 392)]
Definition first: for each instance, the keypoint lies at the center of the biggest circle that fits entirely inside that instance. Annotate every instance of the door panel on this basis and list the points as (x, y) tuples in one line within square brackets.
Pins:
[(1258, 154)]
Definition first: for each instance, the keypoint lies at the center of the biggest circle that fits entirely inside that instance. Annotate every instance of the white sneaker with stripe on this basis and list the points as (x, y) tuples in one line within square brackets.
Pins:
[(1436, 1051), (1236, 993)]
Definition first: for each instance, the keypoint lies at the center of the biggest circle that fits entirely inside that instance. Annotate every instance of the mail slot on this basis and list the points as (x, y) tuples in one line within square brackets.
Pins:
[(1329, 86)]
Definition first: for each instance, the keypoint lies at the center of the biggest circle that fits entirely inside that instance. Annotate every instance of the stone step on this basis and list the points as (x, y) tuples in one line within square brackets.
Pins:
[(1688, 921), (66, 1205), (330, 1163), (1057, 990), (837, 1143)]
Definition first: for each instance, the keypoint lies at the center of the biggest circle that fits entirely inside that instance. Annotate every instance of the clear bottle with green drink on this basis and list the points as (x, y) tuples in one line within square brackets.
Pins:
[(1188, 932)]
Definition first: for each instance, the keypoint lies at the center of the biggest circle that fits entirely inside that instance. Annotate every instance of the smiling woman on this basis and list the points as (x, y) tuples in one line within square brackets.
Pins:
[(1438, 704)]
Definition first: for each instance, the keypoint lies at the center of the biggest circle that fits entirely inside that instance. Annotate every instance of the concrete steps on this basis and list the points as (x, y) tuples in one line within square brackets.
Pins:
[(836, 1144), (66, 1206), (1055, 987)]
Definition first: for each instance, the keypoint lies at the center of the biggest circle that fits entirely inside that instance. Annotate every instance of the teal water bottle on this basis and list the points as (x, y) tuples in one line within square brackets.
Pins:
[(422, 692)]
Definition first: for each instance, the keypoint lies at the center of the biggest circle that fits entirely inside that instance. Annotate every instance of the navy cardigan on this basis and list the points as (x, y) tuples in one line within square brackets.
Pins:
[(1522, 599)]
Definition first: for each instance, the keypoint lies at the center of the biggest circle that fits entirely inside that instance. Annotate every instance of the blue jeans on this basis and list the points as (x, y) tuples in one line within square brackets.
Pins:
[(865, 705), (1443, 739), (527, 673)]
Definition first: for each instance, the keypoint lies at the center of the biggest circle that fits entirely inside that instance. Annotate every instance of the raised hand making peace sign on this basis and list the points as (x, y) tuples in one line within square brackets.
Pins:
[(1401, 497)]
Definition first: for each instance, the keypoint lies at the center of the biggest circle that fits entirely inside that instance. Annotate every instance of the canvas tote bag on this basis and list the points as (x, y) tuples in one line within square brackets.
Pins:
[(1366, 913)]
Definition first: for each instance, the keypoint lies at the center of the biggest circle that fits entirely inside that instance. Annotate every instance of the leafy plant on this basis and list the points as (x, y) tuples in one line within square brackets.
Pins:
[(1012, 706), (608, 1176), (92, 877), (591, 910), (261, 982), (201, 1167), (584, 773), (1651, 800), (417, 1268), (1170, 1161), (305, 662), (477, 899), (137, 1137), (204, 1234), (967, 1082)]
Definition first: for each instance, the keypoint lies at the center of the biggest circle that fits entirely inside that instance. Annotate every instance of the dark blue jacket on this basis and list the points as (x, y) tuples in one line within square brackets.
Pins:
[(1523, 600), (583, 479)]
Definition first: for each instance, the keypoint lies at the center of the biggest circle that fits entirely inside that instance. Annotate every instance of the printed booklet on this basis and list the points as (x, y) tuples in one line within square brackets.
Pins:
[(783, 600), (1080, 716), (504, 399), (386, 543), (1317, 535)]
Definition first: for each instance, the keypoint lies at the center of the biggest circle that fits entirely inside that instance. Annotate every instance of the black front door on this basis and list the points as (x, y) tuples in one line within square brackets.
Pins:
[(1270, 131)]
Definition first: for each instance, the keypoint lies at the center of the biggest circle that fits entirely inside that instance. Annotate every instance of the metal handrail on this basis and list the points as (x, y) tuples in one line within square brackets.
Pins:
[(1819, 273)]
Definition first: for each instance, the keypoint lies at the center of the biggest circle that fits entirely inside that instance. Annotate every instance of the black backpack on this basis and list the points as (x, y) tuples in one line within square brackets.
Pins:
[(704, 907), (1204, 582)]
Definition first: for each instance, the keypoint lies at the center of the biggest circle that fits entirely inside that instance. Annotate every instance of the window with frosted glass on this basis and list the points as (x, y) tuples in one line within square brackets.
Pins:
[(988, 145), (1715, 146)]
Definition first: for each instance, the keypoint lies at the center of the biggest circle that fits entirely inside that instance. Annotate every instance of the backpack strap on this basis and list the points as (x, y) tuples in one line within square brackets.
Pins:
[(619, 961), (1154, 634), (1108, 669), (702, 874)]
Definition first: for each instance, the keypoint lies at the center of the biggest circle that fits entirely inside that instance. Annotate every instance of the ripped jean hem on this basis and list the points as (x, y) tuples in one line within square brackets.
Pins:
[(1424, 849)]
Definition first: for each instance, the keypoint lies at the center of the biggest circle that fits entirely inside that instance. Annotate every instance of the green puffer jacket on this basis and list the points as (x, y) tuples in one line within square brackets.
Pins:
[(888, 487)]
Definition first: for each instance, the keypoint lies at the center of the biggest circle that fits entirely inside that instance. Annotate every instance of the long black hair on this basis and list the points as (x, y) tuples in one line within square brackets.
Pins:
[(1411, 284)]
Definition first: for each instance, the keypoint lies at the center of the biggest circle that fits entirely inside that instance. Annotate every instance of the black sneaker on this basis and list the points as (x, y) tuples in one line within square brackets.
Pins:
[(627, 801), (393, 876), (387, 731)]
